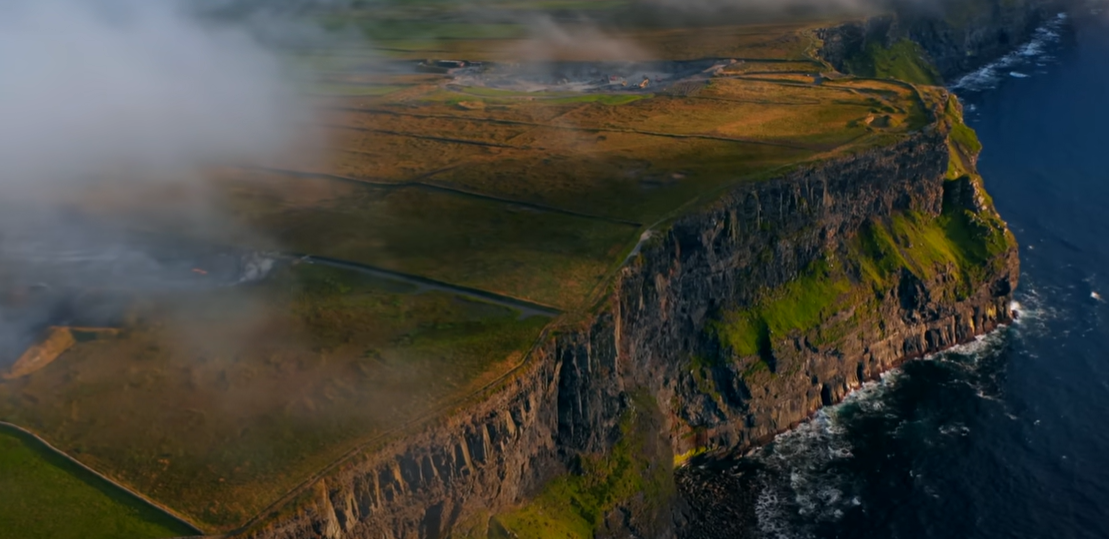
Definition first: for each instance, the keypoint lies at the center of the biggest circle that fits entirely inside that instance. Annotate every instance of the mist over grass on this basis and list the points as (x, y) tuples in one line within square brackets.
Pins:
[(110, 110)]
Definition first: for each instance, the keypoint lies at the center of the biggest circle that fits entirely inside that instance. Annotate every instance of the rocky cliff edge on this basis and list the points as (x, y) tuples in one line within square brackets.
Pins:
[(732, 324)]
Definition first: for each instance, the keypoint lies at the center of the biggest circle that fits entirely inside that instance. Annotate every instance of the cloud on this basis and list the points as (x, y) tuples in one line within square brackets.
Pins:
[(550, 40), (94, 84), (113, 108)]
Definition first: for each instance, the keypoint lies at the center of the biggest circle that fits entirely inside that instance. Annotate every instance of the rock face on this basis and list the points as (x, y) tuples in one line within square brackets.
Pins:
[(571, 395), (642, 341), (958, 35)]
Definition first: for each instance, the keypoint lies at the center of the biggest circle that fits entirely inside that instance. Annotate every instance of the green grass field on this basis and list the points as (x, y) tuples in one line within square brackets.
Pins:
[(218, 403), (44, 496)]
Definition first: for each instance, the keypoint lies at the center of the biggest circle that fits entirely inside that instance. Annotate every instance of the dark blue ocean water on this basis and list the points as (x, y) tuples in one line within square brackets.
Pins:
[(1008, 437)]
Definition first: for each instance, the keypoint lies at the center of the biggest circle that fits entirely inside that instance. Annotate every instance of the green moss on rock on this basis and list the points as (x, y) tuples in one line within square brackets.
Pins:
[(903, 60), (797, 306), (574, 505), (833, 295)]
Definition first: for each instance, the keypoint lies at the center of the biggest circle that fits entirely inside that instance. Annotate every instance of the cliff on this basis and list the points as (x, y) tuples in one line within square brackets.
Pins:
[(737, 322), (734, 323), (957, 36)]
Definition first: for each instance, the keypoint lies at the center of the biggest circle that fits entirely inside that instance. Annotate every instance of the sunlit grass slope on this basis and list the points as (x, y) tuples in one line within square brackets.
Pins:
[(218, 403), (44, 496)]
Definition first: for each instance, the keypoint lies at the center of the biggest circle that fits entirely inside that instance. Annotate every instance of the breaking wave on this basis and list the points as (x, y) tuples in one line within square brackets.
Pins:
[(1033, 53), (806, 477), (802, 484)]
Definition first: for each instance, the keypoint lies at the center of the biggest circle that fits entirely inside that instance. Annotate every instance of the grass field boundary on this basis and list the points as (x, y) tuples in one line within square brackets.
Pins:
[(527, 308), (114, 483), (274, 508), (449, 140), (583, 129), (417, 184)]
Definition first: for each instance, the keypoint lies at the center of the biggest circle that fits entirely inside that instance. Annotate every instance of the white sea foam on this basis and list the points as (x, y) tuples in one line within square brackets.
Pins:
[(815, 492), (769, 510), (1033, 52), (1033, 312)]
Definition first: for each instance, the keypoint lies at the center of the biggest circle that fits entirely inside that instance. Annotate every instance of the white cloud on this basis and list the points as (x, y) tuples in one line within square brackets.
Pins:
[(86, 84)]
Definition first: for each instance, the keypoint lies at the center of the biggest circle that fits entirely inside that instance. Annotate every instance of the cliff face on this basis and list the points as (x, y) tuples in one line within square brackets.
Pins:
[(762, 237), (735, 323), (958, 35), (662, 338)]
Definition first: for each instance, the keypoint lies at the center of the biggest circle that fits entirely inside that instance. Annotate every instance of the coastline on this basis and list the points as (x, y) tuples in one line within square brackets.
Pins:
[(726, 494), (641, 352), (981, 78), (529, 441), (577, 392)]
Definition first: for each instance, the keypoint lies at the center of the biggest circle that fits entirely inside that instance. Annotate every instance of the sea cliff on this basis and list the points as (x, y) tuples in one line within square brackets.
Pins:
[(732, 323), (905, 246), (958, 36)]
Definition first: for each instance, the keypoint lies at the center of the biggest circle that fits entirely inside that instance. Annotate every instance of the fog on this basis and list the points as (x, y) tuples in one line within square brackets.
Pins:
[(119, 105), (551, 40), (596, 34), (90, 84)]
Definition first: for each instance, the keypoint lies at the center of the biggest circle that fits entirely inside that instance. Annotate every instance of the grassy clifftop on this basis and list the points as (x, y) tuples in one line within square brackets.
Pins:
[(937, 260), (219, 403)]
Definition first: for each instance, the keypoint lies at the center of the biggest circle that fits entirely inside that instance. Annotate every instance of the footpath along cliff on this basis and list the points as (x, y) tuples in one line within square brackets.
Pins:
[(732, 324)]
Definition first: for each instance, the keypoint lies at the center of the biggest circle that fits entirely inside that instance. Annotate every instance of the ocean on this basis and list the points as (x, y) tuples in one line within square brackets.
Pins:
[(1007, 437)]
